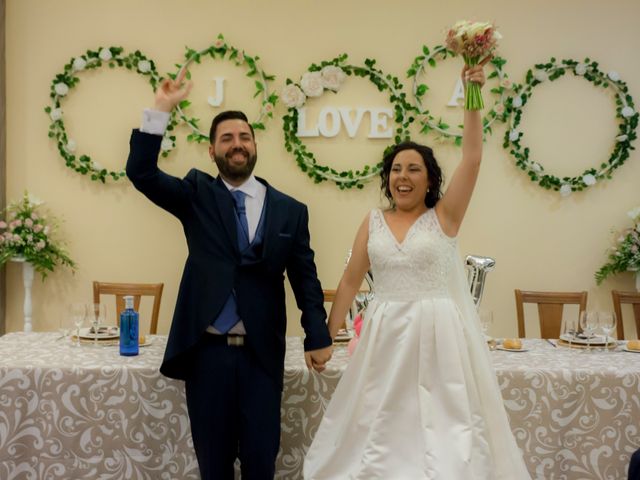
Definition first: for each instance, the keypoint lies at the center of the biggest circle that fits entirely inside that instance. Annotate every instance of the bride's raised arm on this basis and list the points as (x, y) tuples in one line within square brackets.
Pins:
[(453, 205)]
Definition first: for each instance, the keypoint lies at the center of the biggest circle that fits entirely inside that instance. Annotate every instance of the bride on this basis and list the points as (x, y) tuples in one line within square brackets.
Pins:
[(419, 399)]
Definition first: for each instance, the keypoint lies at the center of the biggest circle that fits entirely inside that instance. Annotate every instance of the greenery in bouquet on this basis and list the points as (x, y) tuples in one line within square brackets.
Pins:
[(625, 256), (26, 233), (475, 42)]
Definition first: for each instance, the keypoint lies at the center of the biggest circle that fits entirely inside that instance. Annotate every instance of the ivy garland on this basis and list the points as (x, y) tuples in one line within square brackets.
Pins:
[(65, 81), (219, 49), (428, 122), (306, 160), (625, 113)]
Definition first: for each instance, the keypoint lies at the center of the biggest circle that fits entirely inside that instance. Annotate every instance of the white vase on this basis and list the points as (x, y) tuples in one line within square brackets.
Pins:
[(27, 282)]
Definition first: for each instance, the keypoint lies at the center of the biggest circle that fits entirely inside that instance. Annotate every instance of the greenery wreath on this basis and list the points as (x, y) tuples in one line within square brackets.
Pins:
[(428, 122), (65, 81), (329, 75), (625, 113), (220, 48)]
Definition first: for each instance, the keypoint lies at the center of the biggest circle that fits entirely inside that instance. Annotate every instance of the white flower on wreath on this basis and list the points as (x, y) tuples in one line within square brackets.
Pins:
[(79, 63), (621, 138), (627, 112), (565, 190), (219, 43), (96, 166), (499, 109), (540, 75), (589, 179), (61, 89), (634, 213), (240, 57), (613, 75), (311, 83), (514, 135), (56, 114), (267, 108), (292, 96), (144, 66), (105, 55), (166, 145), (536, 167), (580, 69), (517, 102), (70, 146), (332, 77)]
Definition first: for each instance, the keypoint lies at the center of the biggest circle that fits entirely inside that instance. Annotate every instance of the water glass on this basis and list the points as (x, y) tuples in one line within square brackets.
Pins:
[(486, 320), (97, 313), (588, 324), (607, 323), (77, 314), (569, 329)]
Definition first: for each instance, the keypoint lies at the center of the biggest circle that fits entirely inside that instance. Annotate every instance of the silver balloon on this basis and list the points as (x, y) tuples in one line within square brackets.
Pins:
[(477, 269)]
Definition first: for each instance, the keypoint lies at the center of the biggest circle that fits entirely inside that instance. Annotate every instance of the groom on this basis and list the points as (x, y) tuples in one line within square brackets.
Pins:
[(227, 338)]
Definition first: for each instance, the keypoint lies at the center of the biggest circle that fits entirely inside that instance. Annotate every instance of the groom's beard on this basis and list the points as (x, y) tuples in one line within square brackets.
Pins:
[(236, 172)]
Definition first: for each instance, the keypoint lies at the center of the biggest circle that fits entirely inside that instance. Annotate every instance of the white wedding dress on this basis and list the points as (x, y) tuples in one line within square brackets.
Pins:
[(419, 399)]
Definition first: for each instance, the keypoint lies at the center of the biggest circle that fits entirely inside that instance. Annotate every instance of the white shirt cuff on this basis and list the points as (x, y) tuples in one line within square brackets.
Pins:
[(154, 121)]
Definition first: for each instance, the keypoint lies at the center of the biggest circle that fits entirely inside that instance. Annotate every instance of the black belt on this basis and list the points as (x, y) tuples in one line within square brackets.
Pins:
[(229, 339)]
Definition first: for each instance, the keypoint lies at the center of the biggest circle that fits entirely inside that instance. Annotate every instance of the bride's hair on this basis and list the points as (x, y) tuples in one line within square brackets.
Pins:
[(434, 174)]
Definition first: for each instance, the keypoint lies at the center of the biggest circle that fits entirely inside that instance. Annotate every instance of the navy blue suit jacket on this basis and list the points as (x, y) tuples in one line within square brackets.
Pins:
[(204, 206)]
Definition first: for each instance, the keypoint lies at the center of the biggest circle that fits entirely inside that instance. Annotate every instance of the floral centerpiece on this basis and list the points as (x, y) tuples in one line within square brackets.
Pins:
[(475, 42), (625, 256), (27, 235)]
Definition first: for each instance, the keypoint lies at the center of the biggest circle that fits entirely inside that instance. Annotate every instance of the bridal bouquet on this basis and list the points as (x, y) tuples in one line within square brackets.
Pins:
[(475, 42), (625, 256), (26, 234)]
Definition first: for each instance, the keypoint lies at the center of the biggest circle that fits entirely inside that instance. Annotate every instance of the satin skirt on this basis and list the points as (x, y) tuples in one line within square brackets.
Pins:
[(418, 400)]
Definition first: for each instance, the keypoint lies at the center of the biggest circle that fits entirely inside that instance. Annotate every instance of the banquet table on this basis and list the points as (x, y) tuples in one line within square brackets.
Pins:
[(88, 413)]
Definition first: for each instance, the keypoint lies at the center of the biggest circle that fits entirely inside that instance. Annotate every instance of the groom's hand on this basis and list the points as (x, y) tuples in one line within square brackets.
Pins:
[(171, 92), (317, 359)]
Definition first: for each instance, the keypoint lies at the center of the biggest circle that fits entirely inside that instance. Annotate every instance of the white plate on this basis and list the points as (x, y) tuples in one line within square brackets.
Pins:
[(595, 340), (523, 349), (104, 333)]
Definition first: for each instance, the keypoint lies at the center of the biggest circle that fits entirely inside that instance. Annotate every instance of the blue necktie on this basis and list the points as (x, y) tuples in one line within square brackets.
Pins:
[(241, 210)]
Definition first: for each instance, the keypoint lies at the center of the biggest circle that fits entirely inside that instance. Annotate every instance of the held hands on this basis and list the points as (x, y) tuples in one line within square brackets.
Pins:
[(317, 359), (475, 74), (171, 92)]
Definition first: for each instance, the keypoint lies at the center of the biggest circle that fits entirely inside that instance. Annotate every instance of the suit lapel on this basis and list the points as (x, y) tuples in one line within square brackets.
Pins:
[(271, 206), (226, 209)]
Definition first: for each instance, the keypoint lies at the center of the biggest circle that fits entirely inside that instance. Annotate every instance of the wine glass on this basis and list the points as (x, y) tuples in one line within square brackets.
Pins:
[(97, 313), (607, 323), (568, 329), (486, 320), (588, 324), (78, 313)]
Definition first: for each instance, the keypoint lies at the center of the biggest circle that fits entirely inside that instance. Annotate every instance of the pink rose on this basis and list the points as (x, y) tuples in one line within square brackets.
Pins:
[(28, 222), (3, 224)]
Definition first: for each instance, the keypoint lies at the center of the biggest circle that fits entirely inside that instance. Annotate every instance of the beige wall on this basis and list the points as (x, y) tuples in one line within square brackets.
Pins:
[(539, 240)]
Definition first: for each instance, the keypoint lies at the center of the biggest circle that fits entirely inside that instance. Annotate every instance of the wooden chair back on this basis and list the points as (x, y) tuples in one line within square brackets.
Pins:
[(136, 290), (632, 298), (550, 307)]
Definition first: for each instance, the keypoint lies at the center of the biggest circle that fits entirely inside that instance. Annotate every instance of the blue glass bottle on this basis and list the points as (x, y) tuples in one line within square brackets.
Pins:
[(129, 329)]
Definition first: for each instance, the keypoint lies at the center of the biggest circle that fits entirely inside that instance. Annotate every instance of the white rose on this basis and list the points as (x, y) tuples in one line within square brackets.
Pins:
[(621, 138), (166, 145), (589, 179), (96, 166), (580, 69), (540, 75), (105, 55), (332, 77), (292, 96), (565, 190), (61, 89), (613, 75), (70, 146), (517, 102), (311, 83), (218, 43), (537, 167), (144, 66), (627, 112), (79, 63), (56, 114), (506, 83), (514, 135), (240, 57), (634, 213), (268, 108), (499, 109)]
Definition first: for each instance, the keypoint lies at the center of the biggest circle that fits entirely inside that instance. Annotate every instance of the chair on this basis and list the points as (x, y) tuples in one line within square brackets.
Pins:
[(137, 290), (632, 298), (550, 306)]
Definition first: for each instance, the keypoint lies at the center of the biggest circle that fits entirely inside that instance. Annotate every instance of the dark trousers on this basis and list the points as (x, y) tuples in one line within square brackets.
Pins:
[(634, 466), (234, 411)]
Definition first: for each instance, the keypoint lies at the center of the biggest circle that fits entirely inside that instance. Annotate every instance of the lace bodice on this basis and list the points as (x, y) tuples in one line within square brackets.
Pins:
[(414, 269)]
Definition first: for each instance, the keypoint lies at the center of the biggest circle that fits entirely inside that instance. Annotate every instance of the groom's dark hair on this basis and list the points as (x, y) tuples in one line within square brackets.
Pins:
[(227, 115), (434, 174)]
